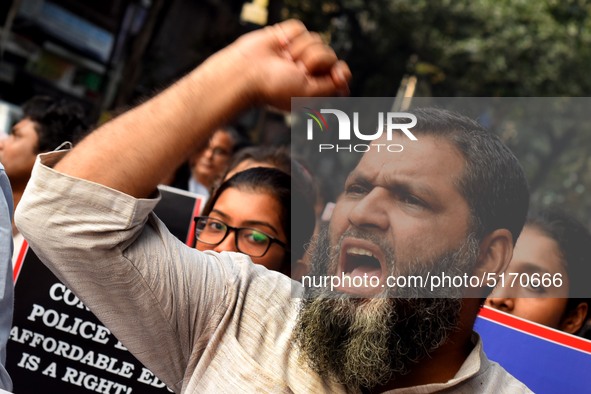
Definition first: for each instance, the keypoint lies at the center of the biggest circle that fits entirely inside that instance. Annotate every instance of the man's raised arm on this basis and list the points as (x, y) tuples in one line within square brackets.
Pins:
[(160, 298), (135, 151)]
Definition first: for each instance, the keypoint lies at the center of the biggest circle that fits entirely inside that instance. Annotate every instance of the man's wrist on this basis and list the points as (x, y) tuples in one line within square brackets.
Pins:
[(231, 75)]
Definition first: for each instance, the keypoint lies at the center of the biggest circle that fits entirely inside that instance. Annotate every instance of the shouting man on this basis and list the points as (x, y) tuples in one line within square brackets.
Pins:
[(215, 322)]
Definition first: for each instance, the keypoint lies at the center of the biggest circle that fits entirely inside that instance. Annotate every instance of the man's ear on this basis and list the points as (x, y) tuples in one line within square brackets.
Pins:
[(496, 251), (575, 319)]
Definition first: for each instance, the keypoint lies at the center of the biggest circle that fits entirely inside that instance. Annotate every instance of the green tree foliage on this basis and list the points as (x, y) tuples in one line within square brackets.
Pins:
[(461, 48), (486, 48)]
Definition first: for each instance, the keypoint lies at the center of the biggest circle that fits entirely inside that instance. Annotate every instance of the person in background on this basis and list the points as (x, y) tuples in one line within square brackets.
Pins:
[(6, 285), (208, 165), (551, 243), (260, 156), (250, 213), (46, 124)]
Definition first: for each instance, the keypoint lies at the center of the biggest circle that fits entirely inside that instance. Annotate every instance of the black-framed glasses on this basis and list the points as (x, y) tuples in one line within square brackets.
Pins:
[(250, 241)]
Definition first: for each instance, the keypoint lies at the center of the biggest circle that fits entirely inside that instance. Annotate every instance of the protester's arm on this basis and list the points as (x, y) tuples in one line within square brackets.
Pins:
[(162, 300), (134, 152)]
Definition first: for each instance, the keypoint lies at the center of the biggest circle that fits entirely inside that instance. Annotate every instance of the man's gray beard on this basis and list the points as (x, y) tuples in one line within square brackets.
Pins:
[(368, 342)]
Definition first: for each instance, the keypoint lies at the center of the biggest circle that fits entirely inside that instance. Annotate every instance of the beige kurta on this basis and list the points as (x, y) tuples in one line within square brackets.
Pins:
[(202, 322)]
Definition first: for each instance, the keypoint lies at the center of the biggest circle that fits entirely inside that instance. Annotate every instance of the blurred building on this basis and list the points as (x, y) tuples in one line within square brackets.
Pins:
[(109, 54)]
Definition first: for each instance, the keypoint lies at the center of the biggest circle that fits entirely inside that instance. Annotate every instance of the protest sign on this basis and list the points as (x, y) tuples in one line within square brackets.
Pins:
[(58, 345), (545, 359), (176, 209)]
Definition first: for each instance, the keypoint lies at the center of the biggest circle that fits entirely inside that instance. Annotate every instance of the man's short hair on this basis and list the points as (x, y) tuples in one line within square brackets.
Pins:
[(239, 140), (493, 182), (56, 121)]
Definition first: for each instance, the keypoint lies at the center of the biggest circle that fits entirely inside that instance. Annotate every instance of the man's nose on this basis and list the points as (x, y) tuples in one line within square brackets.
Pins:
[(370, 210), (208, 153)]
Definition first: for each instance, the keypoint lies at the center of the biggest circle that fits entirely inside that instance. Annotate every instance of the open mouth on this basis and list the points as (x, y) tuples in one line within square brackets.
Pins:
[(362, 262)]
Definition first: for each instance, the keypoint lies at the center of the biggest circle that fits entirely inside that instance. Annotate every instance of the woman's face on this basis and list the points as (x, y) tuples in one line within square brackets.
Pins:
[(252, 209), (534, 253)]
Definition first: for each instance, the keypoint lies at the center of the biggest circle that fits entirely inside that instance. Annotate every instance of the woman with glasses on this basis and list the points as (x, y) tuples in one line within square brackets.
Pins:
[(250, 213)]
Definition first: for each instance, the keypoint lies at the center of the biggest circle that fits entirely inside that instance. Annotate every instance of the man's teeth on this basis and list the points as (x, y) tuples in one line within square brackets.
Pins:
[(359, 252)]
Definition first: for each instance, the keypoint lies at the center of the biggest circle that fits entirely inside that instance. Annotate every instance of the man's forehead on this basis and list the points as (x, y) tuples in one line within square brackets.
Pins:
[(24, 123), (430, 155), (221, 136)]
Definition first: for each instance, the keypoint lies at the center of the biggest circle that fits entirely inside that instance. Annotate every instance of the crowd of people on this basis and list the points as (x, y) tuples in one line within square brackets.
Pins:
[(229, 314)]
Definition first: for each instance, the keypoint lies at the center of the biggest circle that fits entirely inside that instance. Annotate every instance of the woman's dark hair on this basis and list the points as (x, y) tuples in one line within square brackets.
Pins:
[(297, 216), (574, 243)]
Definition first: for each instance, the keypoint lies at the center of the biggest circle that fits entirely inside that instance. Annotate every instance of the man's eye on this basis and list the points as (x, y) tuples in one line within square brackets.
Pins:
[(356, 189), (412, 200), (220, 152)]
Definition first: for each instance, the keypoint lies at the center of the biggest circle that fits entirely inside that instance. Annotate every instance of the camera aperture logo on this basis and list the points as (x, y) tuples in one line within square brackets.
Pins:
[(318, 118), (388, 123)]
